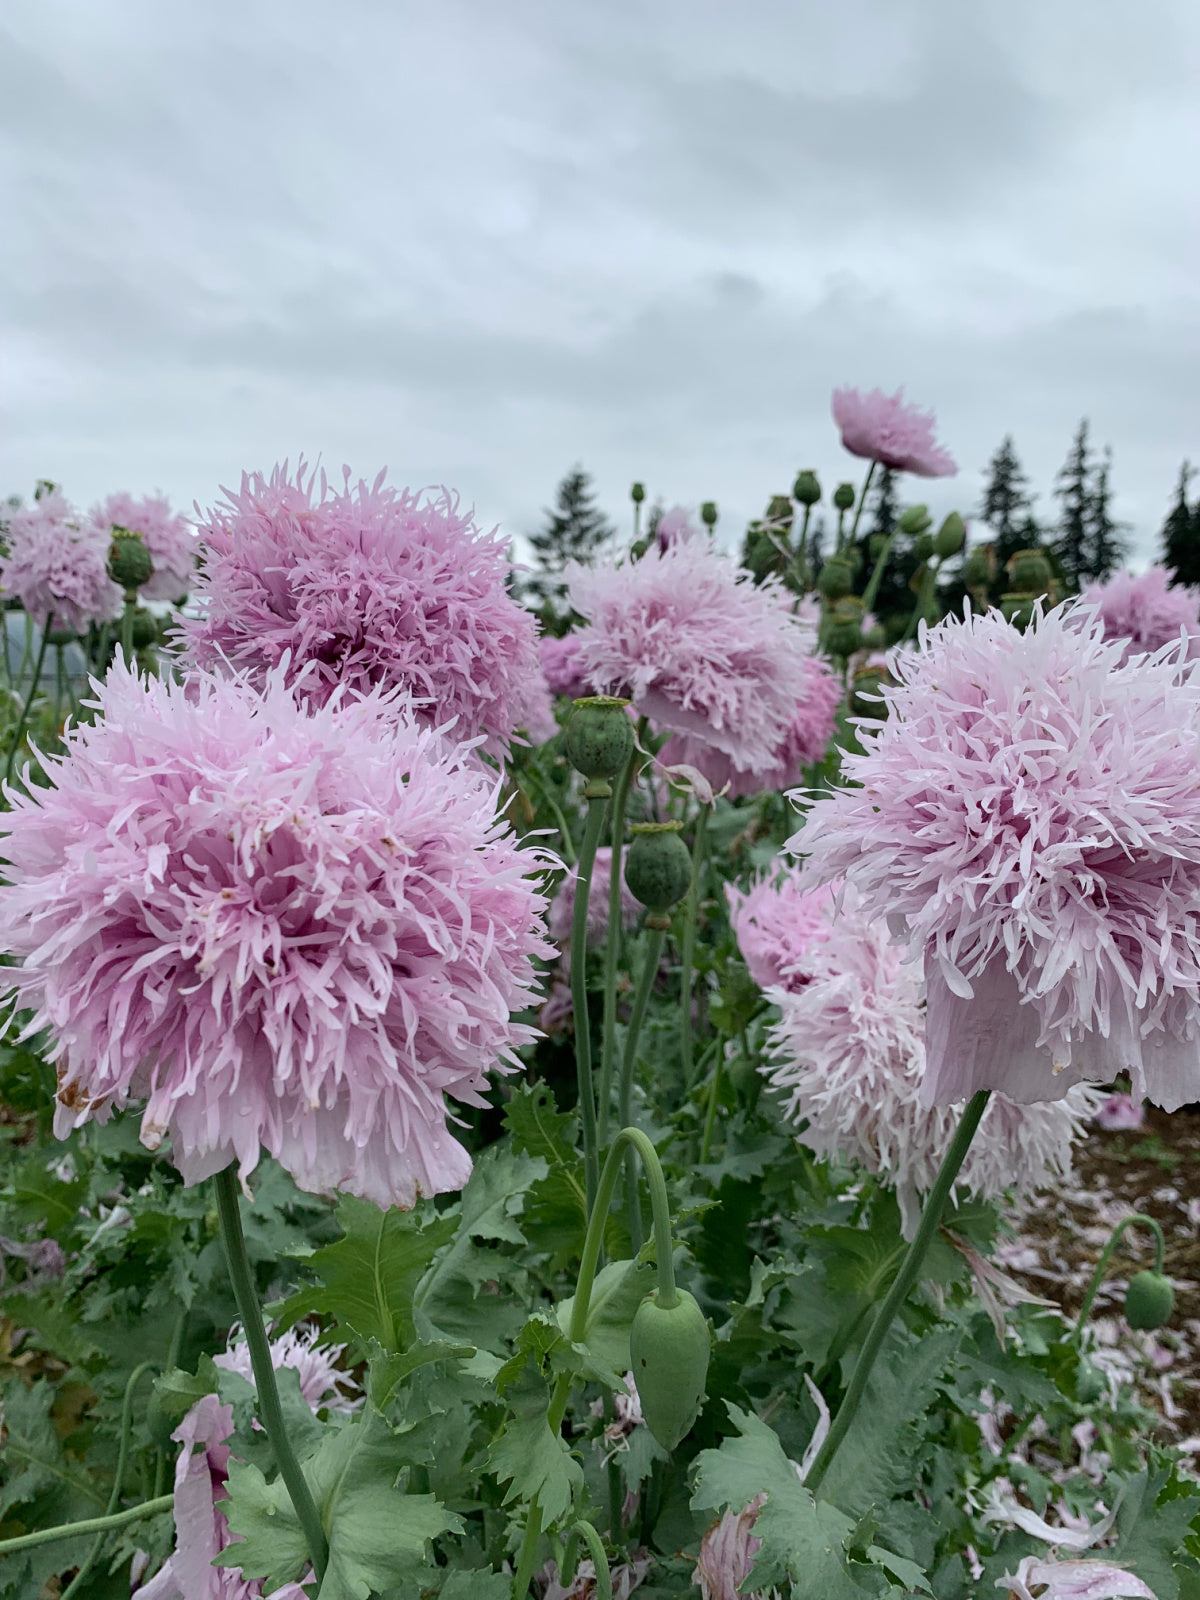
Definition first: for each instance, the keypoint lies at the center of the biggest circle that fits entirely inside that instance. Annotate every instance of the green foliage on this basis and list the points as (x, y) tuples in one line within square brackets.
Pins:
[(527, 1456)]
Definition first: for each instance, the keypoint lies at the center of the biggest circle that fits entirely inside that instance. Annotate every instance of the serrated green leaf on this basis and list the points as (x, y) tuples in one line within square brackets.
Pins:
[(528, 1457), (804, 1540), (1151, 1530), (34, 1459), (388, 1372), (53, 1322), (378, 1535), (873, 1461), (368, 1278)]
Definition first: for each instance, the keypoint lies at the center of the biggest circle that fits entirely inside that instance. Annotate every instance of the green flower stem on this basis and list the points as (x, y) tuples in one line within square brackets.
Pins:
[(583, 1036), (641, 999), (928, 589), (24, 717), (862, 500), (800, 563), (127, 625), (710, 1116), (1160, 1248), (689, 946), (524, 1568), (226, 1186), (173, 1349), (119, 1476), (910, 1267), (599, 1560), (612, 944), (76, 1530), (876, 578)]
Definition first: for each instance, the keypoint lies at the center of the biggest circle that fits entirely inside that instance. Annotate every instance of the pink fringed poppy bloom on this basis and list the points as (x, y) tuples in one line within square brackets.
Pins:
[(880, 427), (805, 741), (371, 586), (323, 1385), (535, 715), (672, 525), (562, 907), (777, 924), (201, 1531), (848, 1056), (57, 564), (1028, 819), (167, 536), (281, 925), (1144, 613), (698, 648), (1120, 1113), (560, 663)]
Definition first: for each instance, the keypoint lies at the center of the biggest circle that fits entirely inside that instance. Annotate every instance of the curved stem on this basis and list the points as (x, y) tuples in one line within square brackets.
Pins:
[(119, 1476), (599, 1560), (226, 1185), (583, 1035), (689, 946), (76, 1530), (931, 1218), (24, 717), (612, 946), (1106, 1256)]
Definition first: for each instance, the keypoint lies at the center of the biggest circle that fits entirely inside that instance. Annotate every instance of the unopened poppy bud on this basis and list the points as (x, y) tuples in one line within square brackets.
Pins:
[(844, 496), (638, 549), (923, 546), (950, 537), (669, 1349), (129, 562), (779, 512), (1018, 609), (836, 578), (1149, 1300), (658, 866), (979, 569), (637, 493), (807, 489), (875, 638), (1029, 572), (865, 699), (708, 513), (599, 739), (914, 519), (875, 545), (145, 628)]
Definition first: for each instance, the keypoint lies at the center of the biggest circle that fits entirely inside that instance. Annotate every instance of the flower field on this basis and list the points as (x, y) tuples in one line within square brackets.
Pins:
[(680, 1080)]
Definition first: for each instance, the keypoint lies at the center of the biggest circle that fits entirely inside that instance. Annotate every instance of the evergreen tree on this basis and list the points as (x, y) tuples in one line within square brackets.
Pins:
[(575, 531), (1006, 506), (1074, 492), (1106, 546), (1180, 536)]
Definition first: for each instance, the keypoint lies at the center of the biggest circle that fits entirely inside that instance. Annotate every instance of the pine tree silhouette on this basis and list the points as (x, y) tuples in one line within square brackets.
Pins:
[(1074, 492), (575, 530), (1007, 509), (1106, 548), (1179, 540)]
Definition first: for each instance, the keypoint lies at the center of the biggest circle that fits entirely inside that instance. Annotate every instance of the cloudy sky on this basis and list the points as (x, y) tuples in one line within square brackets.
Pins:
[(477, 242)]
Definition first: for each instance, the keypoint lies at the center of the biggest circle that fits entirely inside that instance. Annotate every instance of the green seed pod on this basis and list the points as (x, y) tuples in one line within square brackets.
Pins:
[(638, 550), (844, 496), (708, 513), (669, 1349), (1149, 1300), (865, 699), (923, 546), (145, 628), (875, 545), (599, 736), (950, 537), (779, 512), (637, 493), (1018, 609), (836, 578), (1029, 572), (1089, 1383), (762, 555), (807, 489), (658, 865), (979, 569), (844, 638), (914, 519), (129, 562)]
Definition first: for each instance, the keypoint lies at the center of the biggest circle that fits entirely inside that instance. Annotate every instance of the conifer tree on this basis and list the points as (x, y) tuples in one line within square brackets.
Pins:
[(575, 531), (1073, 490), (1006, 506), (1180, 537), (1106, 546)]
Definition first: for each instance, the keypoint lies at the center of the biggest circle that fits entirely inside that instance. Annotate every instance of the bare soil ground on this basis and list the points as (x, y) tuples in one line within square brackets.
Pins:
[(1060, 1234)]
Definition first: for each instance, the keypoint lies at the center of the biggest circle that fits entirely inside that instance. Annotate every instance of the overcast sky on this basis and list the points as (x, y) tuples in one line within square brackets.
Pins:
[(477, 242)]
